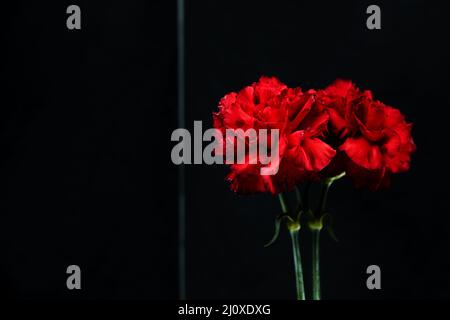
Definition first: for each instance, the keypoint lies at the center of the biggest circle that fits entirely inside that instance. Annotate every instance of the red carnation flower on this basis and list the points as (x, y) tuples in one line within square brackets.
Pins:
[(374, 139), (302, 123)]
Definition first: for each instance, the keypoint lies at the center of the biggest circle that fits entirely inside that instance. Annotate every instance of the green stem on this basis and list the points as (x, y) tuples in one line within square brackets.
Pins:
[(326, 186), (315, 225), (323, 196), (315, 265), (294, 228), (300, 287), (283, 203)]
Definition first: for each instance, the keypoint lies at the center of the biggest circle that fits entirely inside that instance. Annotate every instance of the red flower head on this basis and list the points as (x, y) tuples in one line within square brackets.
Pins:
[(374, 139), (270, 104)]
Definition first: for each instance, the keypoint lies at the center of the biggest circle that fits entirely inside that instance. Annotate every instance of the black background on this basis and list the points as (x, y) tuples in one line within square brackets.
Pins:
[(86, 123), (86, 175)]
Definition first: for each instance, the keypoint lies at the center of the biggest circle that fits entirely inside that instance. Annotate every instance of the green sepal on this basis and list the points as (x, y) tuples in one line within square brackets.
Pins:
[(327, 222), (278, 221), (330, 180)]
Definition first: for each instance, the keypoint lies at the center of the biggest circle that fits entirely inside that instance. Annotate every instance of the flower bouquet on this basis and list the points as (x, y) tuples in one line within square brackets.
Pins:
[(322, 136)]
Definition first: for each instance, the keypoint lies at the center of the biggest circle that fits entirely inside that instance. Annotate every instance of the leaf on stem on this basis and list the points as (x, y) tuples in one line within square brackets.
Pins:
[(278, 220), (327, 222)]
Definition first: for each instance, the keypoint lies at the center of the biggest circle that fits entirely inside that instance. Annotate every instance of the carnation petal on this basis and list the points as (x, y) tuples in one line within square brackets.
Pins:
[(363, 153)]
